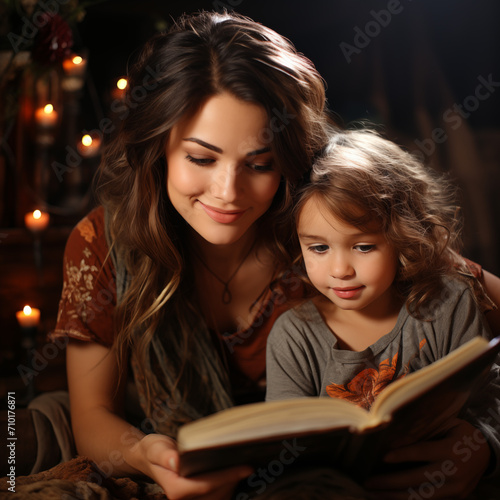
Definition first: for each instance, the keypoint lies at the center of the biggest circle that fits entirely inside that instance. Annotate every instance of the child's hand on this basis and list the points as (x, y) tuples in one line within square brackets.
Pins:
[(455, 464), (160, 461)]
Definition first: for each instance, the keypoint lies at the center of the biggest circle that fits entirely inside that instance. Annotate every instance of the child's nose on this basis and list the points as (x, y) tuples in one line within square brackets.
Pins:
[(341, 267)]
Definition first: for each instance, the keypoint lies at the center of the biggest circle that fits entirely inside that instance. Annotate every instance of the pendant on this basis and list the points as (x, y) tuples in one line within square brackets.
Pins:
[(226, 295)]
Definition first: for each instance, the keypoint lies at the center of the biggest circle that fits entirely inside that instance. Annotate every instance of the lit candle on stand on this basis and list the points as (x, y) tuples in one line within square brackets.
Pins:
[(75, 66), (119, 90), (37, 221), (74, 73), (89, 146), (46, 117), (29, 317)]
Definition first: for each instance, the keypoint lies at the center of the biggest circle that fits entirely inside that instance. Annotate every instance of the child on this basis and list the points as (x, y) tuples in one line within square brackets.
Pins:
[(379, 241)]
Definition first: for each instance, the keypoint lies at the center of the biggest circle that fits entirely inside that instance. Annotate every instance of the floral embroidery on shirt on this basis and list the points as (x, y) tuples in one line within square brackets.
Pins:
[(86, 229), (366, 385), (87, 252), (370, 382), (77, 289)]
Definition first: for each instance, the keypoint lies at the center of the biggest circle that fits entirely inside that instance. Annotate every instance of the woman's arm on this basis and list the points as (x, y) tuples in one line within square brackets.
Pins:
[(102, 434), (96, 400), (492, 285)]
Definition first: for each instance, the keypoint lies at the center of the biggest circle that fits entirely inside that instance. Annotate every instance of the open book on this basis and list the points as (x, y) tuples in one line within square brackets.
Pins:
[(335, 432)]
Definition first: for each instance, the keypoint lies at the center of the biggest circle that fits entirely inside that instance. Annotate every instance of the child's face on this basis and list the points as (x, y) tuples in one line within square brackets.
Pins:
[(352, 268)]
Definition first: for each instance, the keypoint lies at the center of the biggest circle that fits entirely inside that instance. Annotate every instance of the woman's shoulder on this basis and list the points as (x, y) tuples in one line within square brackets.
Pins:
[(90, 227), (89, 290), (88, 237)]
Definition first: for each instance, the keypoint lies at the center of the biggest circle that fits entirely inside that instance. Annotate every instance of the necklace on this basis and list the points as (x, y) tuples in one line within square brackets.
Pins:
[(226, 294)]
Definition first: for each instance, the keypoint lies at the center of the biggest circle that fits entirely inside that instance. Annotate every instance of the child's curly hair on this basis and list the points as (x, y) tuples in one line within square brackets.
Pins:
[(361, 178)]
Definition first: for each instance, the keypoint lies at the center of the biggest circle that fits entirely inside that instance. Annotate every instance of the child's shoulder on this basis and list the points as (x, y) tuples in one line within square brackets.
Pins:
[(451, 291), (305, 310), (300, 326), (300, 316)]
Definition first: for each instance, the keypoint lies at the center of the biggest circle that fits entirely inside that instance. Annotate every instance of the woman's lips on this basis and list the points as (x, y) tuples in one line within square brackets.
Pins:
[(222, 216), (347, 293)]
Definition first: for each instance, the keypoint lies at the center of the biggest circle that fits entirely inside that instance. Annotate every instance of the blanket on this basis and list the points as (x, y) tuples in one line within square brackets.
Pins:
[(78, 479)]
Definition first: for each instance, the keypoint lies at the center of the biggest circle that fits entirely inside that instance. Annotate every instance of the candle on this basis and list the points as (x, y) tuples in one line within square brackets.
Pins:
[(74, 73), (120, 88), (46, 117), (36, 221), (29, 317), (89, 146), (75, 66)]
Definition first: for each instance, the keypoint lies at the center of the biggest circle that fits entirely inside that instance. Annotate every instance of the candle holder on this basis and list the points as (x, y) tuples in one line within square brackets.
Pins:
[(28, 320), (46, 120), (74, 72), (37, 222)]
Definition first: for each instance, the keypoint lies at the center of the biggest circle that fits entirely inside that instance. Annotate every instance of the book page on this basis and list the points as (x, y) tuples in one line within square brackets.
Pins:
[(416, 383), (269, 419)]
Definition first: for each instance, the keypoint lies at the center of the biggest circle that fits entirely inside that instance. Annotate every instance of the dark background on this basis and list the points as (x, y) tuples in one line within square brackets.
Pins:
[(405, 73), (426, 58)]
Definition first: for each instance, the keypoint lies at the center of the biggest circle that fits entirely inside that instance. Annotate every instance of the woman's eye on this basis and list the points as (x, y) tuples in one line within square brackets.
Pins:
[(263, 167), (318, 248), (200, 161), (364, 248)]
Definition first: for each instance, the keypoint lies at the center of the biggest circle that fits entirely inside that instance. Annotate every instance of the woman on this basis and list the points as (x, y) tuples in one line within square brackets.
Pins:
[(191, 234), (178, 277)]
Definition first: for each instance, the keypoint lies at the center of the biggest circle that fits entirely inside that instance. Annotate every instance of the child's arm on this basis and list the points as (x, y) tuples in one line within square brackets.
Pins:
[(492, 285), (455, 464), (290, 371), (444, 475), (471, 448)]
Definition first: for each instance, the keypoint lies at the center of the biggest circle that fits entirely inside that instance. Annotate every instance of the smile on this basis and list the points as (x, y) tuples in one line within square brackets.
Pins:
[(222, 216), (347, 293)]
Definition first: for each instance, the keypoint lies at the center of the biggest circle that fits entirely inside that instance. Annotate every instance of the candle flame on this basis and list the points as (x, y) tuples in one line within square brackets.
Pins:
[(87, 140), (37, 214), (122, 83), (27, 310), (48, 109), (77, 60)]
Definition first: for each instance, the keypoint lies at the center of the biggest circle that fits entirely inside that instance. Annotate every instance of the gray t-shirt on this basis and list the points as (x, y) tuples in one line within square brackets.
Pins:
[(304, 358)]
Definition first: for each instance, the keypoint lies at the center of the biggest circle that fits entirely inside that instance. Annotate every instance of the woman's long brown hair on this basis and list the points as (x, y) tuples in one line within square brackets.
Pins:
[(201, 56)]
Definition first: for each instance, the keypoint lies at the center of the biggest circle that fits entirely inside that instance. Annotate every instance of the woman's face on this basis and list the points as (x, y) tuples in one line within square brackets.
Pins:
[(221, 174)]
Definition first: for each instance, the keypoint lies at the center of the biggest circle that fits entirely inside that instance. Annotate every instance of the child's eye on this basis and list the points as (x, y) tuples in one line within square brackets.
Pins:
[(200, 161), (318, 248), (364, 248)]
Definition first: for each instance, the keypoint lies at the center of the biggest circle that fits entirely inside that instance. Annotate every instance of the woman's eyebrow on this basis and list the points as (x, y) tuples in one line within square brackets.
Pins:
[(207, 145), (204, 144), (260, 151)]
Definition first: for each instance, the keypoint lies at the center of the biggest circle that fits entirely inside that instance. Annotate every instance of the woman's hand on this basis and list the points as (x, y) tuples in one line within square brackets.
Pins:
[(454, 466), (160, 462)]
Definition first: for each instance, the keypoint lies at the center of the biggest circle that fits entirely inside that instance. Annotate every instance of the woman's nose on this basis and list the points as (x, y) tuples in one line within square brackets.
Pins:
[(226, 184)]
